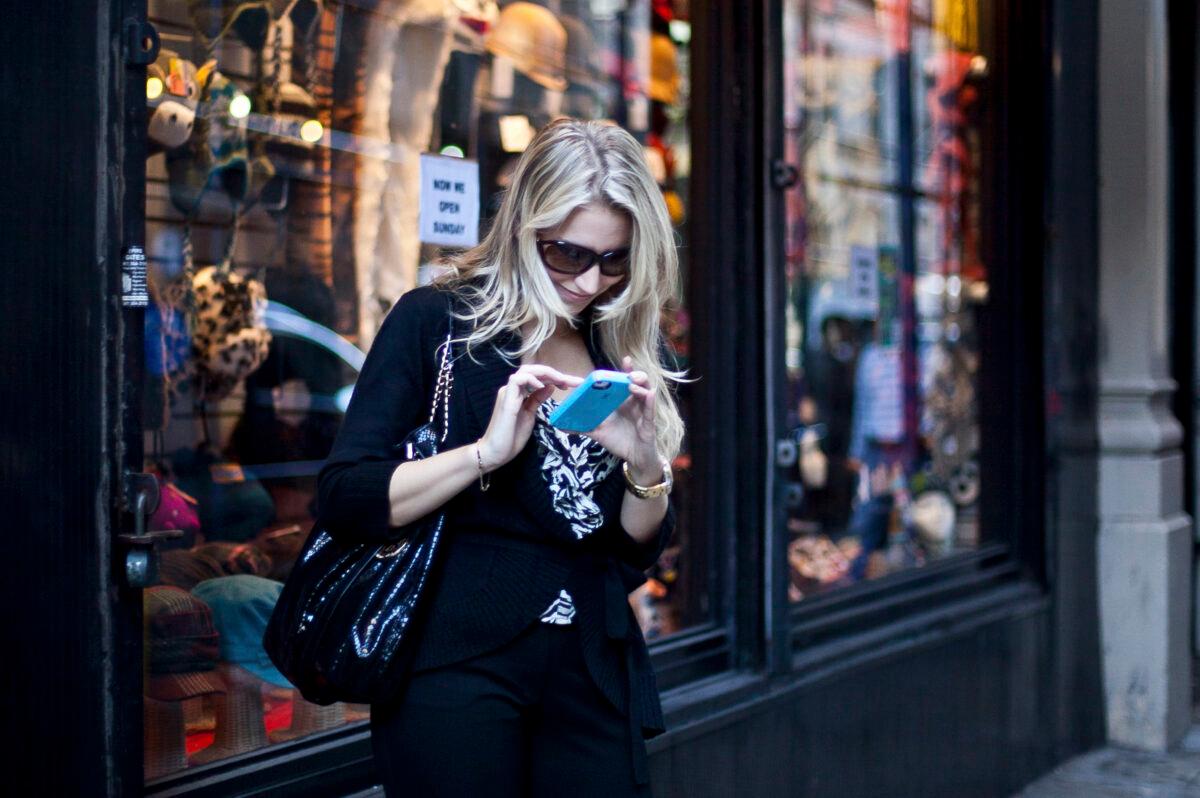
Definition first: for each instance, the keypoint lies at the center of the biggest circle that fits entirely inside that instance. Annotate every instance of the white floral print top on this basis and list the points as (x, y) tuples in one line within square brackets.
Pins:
[(572, 465)]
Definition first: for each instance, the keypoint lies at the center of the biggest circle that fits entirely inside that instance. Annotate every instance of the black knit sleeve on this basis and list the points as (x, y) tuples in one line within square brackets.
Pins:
[(643, 555), (391, 398)]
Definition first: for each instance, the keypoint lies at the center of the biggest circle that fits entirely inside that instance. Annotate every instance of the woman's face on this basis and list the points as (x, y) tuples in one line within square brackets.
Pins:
[(600, 229)]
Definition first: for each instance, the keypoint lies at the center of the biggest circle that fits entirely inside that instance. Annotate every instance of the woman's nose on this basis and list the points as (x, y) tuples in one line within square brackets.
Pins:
[(589, 281)]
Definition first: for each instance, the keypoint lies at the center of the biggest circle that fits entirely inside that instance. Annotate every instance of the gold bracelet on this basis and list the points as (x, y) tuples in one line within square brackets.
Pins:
[(649, 491), (485, 480)]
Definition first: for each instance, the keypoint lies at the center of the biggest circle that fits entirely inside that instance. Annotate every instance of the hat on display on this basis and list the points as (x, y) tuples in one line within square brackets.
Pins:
[(233, 505), (176, 510), (249, 20), (583, 61), (664, 70), (241, 606), (172, 96), (675, 208), (216, 153), (534, 40), (292, 108), (182, 649), (230, 338)]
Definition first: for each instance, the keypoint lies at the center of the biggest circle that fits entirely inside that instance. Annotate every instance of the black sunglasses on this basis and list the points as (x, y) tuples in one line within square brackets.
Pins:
[(567, 258)]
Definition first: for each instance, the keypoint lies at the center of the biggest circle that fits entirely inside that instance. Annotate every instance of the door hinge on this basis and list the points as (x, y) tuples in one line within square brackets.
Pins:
[(141, 42)]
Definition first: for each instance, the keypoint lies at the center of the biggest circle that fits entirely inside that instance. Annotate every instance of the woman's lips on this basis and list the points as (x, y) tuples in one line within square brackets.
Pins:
[(571, 295)]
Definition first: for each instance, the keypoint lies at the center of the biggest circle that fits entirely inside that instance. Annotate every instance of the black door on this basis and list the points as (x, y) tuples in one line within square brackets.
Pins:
[(73, 629)]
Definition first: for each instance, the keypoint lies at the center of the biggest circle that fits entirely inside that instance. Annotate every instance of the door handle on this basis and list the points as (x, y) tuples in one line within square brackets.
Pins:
[(141, 559)]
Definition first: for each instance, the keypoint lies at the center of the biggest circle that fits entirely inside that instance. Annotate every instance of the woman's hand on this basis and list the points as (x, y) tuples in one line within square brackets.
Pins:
[(516, 410), (629, 433)]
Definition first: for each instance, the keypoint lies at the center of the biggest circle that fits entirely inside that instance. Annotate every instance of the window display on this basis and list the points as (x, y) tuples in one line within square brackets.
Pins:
[(885, 277), (283, 207)]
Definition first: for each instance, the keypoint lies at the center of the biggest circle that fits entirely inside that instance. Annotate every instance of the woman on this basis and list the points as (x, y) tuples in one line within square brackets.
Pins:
[(531, 674)]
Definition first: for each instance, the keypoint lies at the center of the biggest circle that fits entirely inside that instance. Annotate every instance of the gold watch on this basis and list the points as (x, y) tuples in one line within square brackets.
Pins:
[(649, 491)]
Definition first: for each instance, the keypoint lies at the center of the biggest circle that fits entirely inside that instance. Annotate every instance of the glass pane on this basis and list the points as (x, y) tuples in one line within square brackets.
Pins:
[(282, 224), (885, 277)]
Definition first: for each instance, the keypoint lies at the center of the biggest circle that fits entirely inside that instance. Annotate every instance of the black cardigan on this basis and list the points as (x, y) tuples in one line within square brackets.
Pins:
[(508, 551)]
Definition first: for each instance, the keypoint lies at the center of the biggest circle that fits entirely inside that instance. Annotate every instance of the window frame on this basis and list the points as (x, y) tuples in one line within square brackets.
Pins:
[(719, 660), (1012, 546), (753, 636)]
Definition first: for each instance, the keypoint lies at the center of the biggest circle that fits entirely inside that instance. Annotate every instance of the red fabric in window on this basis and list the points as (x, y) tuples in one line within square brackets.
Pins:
[(277, 715)]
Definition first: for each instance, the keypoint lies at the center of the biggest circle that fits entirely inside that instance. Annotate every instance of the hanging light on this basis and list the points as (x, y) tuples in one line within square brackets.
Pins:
[(312, 131), (239, 107)]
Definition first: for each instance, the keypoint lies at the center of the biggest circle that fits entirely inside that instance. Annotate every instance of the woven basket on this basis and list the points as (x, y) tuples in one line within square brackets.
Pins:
[(239, 715), (309, 718), (163, 737)]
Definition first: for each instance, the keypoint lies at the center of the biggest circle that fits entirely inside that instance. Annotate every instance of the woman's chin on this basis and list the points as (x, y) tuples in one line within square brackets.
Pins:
[(574, 305)]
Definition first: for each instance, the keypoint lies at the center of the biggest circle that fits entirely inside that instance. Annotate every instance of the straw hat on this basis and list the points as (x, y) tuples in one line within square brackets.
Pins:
[(664, 70), (534, 40)]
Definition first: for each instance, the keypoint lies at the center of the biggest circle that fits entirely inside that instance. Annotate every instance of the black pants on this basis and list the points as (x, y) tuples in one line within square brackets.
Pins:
[(524, 720)]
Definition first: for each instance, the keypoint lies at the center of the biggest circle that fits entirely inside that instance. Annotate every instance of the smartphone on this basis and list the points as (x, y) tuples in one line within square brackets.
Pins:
[(593, 401)]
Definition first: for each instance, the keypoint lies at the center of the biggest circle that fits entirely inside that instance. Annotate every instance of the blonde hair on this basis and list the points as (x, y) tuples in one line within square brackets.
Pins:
[(569, 164)]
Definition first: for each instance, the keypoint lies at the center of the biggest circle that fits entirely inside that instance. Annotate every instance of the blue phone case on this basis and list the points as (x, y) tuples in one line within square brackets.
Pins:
[(593, 401)]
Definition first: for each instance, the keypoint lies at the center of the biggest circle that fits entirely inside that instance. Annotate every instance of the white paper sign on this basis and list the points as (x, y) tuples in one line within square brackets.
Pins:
[(864, 277), (449, 201)]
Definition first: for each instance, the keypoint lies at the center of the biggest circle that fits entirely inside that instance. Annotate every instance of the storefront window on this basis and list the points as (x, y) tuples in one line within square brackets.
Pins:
[(283, 220), (885, 278)]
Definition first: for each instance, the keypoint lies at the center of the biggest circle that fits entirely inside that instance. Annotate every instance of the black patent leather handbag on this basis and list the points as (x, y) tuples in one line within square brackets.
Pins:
[(345, 624)]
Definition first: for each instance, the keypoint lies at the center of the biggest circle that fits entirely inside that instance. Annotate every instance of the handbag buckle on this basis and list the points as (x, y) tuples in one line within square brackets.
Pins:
[(391, 550)]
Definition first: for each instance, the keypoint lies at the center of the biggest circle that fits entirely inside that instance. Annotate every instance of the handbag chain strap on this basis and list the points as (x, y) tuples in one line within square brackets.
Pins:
[(441, 392)]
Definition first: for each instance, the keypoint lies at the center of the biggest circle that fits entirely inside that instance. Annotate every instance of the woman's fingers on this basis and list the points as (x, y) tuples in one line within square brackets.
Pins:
[(549, 375), (520, 386), (526, 381), (638, 379), (537, 397), (648, 406)]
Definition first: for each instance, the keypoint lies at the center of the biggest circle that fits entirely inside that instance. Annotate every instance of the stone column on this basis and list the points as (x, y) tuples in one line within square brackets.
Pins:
[(1144, 546)]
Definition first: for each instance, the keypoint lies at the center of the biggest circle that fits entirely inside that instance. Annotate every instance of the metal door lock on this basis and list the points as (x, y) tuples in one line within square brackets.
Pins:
[(141, 497), (785, 452), (783, 174)]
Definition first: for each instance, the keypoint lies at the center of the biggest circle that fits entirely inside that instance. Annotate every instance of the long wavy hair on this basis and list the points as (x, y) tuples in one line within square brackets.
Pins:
[(569, 164)]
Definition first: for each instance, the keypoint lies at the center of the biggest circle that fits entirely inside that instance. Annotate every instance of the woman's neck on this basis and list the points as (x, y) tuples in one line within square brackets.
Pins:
[(562, 333)]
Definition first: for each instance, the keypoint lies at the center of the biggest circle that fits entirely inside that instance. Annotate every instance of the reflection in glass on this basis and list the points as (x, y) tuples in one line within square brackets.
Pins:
[(283, 193), (885, 277)]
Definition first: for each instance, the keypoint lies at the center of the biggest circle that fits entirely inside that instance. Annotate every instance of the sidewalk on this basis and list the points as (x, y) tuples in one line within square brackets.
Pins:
[(1117, 773)]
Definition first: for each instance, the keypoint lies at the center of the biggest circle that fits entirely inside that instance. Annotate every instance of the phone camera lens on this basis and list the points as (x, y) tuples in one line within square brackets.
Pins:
[(602, 385)]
